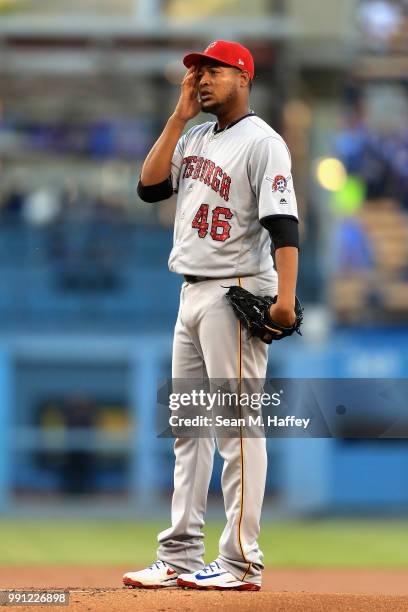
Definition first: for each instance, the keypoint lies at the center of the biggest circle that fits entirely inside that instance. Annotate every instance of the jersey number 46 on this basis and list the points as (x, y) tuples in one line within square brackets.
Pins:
[(220, 228)]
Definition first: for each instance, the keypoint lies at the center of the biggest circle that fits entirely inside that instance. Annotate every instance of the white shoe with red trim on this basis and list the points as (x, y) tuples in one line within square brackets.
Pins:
[(214, 577), (156, 576)]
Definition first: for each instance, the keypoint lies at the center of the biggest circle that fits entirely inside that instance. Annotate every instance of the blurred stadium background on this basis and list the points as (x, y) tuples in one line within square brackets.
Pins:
[(87, 306)]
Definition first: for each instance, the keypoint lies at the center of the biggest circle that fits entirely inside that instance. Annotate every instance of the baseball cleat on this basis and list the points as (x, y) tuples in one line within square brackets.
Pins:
[(156, 576), (214, 577)]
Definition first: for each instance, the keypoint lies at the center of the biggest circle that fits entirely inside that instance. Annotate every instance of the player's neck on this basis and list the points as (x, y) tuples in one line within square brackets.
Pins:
[(225, 119)]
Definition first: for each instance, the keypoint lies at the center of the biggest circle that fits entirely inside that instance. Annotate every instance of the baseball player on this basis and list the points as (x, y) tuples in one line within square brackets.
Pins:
[(234, 195)]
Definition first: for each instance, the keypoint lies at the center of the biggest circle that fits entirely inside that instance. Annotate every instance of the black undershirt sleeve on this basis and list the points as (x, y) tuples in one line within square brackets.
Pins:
[(155, 193), (283, 230)]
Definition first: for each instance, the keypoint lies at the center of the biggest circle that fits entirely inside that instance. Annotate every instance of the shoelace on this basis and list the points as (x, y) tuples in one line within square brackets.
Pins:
[(210, 568), (157, 564)]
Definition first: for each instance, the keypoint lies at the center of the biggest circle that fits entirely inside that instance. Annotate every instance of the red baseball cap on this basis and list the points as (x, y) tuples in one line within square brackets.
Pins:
[(227, 52)]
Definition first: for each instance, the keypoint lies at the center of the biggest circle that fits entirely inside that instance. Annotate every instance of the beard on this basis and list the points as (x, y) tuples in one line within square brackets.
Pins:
[(215, 107), (212, 107)]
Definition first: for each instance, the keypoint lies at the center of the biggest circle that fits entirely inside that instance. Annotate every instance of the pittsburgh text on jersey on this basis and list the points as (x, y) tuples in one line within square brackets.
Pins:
[(206, 171)]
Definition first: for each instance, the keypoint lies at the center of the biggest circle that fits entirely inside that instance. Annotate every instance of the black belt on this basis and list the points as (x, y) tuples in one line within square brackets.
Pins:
[(195, 279)]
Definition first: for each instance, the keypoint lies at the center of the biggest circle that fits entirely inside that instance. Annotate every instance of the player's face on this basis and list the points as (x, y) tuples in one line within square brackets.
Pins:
[(218, 86)]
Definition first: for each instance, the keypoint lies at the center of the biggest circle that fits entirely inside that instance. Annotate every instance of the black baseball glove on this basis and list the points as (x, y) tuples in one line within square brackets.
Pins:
[(253, 312)]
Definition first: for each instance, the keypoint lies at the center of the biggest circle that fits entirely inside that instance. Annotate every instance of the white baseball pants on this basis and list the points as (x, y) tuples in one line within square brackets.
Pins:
[(209, 341)]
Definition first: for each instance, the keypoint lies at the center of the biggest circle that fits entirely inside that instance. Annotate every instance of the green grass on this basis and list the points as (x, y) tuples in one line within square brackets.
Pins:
[(350, 544)]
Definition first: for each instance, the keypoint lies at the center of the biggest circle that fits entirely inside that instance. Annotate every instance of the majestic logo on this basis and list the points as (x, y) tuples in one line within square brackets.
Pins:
[(280, 183)]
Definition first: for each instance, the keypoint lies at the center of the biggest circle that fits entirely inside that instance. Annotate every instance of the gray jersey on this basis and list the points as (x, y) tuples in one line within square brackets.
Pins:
[(225, 183)]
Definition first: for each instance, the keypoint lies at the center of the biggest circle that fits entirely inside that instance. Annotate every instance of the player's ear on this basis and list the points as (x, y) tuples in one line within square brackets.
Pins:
[(245, 78)]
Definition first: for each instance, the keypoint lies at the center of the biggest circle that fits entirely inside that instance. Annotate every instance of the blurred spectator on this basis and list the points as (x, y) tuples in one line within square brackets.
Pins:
[(77, 468), (13, 203), (378, 154), (353, 250), (380, 19), (41, 207), (351, 142)]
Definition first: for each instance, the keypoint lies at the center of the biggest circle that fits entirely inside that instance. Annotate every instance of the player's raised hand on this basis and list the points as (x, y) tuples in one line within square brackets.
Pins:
[(188, 105)]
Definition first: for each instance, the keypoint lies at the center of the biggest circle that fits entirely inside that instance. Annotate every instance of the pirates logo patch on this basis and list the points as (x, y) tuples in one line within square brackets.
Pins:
[(280, 183)]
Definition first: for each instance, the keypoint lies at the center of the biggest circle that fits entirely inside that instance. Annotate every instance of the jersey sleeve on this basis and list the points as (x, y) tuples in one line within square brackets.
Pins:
[(177, 162), (270, 175)]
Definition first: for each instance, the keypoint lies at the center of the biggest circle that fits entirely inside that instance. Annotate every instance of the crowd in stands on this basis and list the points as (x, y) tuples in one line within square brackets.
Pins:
[(371, 243), (379, 157)]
